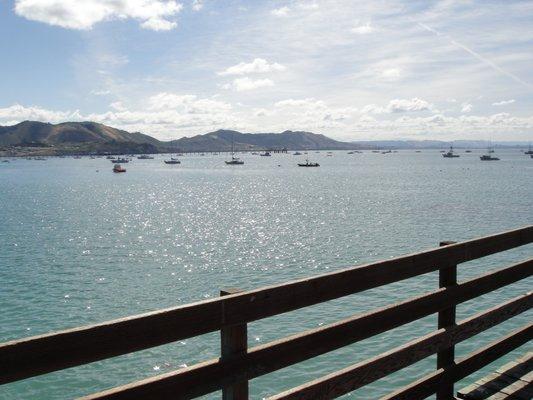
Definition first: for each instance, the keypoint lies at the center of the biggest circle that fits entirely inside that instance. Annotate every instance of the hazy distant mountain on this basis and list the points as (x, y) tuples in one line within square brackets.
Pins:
[(221, 141), (433, 144)]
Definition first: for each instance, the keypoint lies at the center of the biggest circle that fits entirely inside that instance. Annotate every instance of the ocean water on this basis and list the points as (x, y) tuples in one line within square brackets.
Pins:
[(81, 245)]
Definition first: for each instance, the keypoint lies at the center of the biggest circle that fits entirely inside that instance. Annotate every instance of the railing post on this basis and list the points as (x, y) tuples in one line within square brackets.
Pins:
[(234, 342), (446, 357)]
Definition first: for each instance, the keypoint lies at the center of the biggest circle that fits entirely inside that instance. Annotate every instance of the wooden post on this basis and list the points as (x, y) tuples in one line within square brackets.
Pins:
[(446, 357), (234, 342)]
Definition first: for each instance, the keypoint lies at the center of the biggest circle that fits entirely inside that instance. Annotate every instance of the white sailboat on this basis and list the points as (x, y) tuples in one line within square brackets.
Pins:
[(234, 160)]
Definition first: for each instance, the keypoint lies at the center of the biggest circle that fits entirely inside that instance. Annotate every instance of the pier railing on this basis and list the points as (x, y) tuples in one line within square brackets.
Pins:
[(238, 364)]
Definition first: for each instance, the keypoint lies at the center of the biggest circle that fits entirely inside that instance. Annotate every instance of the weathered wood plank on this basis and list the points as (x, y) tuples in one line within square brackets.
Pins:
[(234, 343), (24, 358), (446, 318), (426, 386), (211, 376), (520, 369), (507, 382), (358, 375)]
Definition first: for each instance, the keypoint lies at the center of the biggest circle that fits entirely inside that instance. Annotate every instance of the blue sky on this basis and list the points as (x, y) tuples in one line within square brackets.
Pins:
[(384, 69)]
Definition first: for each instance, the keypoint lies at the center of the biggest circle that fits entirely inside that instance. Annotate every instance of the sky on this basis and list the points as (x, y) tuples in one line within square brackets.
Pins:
[(352, 70)]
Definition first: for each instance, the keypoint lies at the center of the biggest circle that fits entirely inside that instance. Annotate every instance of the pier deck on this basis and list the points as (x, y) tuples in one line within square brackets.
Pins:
[(512, 381)]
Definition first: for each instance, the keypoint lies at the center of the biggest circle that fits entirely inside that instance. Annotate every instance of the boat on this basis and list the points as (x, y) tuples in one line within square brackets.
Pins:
[(309, 164), (266, 154), (120, 161), (172, 161), (110, 157), (350, 152), (6, 161), (386, 152), (234, 160), (488, 156), (145, 157), (296, 153), (529, 150), (450, 154), (468, 151), (118, 168)]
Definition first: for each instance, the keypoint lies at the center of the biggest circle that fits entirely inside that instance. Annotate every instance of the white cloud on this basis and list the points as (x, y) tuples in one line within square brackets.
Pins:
[(305, 5), (244, 84), (466, 107), (20, 113), (100, 92), (187, 103), (117, 105), (303, 103), (311, 113), (398, 106), (197, 5), (504, 102), (82, 15), (258, 65), (159, 24), (390, 74), (363, 29), (281, 12)]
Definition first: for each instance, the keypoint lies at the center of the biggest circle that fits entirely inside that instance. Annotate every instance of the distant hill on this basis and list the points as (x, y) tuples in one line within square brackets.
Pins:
[(76, 136), (221, 141), (87, 137), (433, 144), (68, 132)]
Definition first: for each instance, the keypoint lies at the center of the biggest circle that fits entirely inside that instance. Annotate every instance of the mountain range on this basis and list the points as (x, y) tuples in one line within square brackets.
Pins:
[(91, 137)]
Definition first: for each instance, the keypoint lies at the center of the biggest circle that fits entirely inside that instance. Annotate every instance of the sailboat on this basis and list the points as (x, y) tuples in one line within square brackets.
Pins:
[(450, 153), (234, 160), (308, 164), (529, 151), (172, 161), (488, 156)]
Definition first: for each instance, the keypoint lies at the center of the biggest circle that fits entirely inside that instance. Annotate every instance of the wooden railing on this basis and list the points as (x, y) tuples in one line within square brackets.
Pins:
[(229, 314)]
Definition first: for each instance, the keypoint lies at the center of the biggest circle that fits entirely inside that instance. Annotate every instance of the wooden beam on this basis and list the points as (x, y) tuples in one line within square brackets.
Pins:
[(213, 375), (358, 375), (234, 343), (446, 319), (23, 358)]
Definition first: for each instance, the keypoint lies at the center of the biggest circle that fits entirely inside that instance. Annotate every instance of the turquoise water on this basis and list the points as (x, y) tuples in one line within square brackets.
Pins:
[(79, 245)]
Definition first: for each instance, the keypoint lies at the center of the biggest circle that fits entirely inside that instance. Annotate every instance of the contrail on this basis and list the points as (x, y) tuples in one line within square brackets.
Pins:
[(477, 55)]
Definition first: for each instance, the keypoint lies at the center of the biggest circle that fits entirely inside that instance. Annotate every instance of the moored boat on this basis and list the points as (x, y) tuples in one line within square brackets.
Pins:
[(120, 161), (309, 164), (118, 168), (450, 154)]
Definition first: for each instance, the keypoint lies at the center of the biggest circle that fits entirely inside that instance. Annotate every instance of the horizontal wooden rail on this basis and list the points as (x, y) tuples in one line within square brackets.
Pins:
[(429, 384), (297, 348), (358, 375), (20, 359)]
